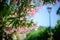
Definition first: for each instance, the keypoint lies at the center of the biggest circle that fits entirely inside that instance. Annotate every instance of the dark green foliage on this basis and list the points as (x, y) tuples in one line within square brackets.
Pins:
[(41, 34), (56, 31), (45, 1), (58, 11)]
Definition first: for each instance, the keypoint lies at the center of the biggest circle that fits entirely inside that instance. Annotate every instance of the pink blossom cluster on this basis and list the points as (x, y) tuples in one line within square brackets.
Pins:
[(21, 30), (31, 11), (54, 2), (9, 31), (26, 17)]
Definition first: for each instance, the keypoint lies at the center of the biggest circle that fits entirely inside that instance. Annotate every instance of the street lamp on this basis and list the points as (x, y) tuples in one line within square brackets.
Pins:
[(49, 11)]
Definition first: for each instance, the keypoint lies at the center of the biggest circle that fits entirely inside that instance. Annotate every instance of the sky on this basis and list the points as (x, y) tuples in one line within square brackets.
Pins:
[(42, 16)]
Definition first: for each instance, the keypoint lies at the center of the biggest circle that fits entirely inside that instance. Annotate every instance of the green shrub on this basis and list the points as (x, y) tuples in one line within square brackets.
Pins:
[(41, 34), (56, 31)]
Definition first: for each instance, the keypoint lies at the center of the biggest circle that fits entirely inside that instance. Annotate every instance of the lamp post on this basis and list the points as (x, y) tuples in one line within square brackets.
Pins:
[(49, 11)]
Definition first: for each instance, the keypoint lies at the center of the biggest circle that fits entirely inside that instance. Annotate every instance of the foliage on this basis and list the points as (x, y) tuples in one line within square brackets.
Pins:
[(56, 31), (41, 34), (12, 15), (58, 11)]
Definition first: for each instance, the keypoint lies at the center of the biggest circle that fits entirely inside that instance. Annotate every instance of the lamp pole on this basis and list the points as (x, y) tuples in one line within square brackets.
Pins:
[(49, 11)]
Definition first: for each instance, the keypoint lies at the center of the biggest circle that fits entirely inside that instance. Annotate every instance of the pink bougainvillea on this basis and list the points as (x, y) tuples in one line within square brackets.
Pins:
[(31, 11), (22, 29), (9, 31), (54, 3), (26, 16), (18, 29), (25, 29)]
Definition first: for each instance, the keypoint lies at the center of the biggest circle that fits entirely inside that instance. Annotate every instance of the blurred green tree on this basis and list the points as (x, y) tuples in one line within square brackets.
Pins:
[(41, 34), (56, 31)]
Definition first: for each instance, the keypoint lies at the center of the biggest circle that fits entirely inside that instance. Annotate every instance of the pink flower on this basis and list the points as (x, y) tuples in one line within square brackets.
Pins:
[(29, 12), (54, 3), (26, 16), (22, 29), (9, 31), (6, 31), (17, 29), (25, 29), (32, 11)]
